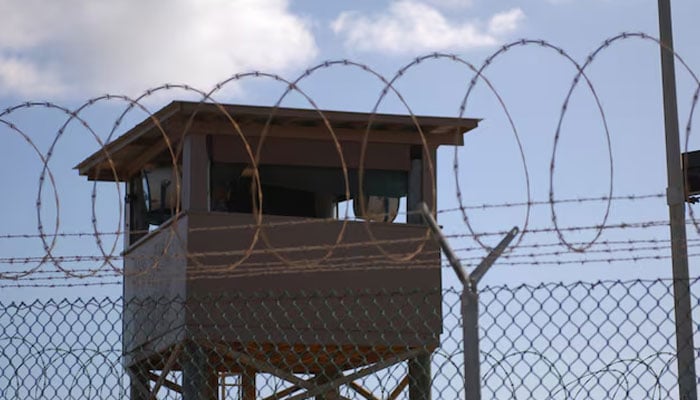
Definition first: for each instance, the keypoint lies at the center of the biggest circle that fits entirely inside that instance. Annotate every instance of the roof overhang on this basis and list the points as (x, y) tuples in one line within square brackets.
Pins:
[(161, 134)]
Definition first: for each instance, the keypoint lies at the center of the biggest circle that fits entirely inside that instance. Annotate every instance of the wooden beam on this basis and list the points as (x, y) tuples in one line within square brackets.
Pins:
[(248, 390), (419, 377), (399, 388), (310, 116), (166, 369), (261, 366), (199, 377), (284, 393), (362, 391), (327, 376), (167, 383), (345, 379), (138, 378), (415, 192), (322, 133), (195, 176), (137, 164), (126, 139)]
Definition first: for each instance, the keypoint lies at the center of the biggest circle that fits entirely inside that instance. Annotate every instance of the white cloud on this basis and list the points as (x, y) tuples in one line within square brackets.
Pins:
[(410, 26), (506, 22), (452, 3), (20, 76), (70, 47)]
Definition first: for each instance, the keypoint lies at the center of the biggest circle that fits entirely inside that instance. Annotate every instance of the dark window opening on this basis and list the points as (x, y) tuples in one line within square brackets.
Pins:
[(312, 192)]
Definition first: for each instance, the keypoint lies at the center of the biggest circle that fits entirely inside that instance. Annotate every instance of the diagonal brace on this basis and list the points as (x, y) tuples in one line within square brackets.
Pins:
[(359, 374)]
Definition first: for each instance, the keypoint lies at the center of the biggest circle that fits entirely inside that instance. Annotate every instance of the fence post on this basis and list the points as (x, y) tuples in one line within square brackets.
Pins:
[(470, 334), (470, 301), (685, 348)]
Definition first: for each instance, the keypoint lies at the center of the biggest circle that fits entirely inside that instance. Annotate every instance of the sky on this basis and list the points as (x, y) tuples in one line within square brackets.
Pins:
[(71, 51)]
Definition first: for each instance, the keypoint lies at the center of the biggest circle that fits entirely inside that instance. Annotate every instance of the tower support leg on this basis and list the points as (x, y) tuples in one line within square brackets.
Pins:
[(325, 377), (138, 386), (199, 377), (248, 391), (419, 377)]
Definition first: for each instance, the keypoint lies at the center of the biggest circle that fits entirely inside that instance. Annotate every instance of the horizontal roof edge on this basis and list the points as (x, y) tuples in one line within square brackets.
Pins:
[(214, 117)]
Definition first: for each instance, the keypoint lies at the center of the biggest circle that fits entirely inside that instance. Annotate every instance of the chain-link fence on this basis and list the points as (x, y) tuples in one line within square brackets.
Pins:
[(605, 340)]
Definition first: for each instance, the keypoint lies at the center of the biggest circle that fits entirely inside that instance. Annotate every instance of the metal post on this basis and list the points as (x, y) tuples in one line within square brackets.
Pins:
[(470, 334), (470, 301), (676, 205)]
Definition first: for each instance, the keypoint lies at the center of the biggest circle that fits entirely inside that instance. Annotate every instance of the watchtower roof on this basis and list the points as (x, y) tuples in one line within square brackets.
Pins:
[(145, 141)]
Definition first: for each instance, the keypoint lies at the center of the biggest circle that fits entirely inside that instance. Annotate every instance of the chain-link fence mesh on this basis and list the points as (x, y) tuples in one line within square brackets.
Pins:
[(605, 340)]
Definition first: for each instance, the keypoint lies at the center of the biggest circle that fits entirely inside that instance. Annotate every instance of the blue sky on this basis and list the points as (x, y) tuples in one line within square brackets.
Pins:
[(130, 46)]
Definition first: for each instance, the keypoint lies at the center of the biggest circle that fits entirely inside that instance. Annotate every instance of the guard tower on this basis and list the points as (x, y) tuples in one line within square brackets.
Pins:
[(235, 263)]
